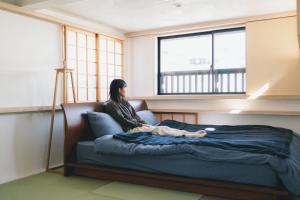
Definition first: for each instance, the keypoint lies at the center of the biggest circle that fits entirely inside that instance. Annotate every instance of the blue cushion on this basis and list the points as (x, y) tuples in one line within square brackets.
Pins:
[(103, 124), (148, 117)]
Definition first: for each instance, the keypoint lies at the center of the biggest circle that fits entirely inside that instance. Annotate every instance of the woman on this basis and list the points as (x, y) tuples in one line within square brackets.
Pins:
[(119, 108)]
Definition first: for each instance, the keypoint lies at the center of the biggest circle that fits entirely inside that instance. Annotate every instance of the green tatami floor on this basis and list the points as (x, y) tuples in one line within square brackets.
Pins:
[(48, 186)]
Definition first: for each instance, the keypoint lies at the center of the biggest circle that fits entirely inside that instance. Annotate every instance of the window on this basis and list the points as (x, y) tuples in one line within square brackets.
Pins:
[(111, 63), (202, 63), (96, 60)]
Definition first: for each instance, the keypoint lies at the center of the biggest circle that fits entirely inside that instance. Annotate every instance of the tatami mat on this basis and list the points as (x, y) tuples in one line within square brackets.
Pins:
[(137, 192), (53, 186)]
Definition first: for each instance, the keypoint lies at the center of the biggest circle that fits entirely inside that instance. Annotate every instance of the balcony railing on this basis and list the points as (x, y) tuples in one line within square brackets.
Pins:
[(219, 81)]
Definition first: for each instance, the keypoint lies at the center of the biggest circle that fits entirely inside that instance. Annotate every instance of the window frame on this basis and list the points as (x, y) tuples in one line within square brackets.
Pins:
[(212, 70), (98, 72)]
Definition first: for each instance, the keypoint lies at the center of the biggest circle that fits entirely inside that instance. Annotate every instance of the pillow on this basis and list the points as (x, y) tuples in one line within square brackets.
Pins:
[(103, 124), (148, 117)]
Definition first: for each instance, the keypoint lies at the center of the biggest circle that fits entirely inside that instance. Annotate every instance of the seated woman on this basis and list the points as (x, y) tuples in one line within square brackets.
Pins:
[(119, 108)]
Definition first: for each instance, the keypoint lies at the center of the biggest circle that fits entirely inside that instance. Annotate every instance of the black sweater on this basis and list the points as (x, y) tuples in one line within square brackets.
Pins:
[(124, 113)]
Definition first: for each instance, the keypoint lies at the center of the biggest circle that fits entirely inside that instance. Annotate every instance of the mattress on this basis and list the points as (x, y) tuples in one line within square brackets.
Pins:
[(181, 165)]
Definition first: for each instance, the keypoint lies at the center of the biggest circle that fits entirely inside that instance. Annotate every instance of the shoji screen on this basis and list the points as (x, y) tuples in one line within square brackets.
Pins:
[(81, 56), (111, 63), (96, 60)]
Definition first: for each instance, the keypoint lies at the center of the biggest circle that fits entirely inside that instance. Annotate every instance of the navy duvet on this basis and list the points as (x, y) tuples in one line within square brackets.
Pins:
[(248, 138)]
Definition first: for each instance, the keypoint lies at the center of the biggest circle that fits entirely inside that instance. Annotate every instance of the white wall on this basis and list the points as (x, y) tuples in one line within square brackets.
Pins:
[(30, 50), (23, 144), (140, 62), (142, 76)]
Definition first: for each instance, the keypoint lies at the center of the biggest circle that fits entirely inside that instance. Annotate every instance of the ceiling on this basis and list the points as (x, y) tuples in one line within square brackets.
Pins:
[(137, 15)]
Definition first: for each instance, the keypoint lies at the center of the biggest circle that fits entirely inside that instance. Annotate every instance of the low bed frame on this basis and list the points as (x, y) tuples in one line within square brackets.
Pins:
[(77, 129)]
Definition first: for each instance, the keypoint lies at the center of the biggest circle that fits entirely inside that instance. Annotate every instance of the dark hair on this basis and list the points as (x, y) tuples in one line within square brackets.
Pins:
[(114, 87)]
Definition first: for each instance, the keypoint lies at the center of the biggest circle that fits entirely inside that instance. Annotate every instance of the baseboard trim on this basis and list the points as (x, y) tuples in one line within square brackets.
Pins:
[(11, 179), (35, 172)]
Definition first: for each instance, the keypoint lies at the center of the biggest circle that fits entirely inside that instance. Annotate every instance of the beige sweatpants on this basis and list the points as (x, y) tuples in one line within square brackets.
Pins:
[(165, 130)]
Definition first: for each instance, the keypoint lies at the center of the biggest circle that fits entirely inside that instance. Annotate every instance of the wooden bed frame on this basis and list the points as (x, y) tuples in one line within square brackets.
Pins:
[(77, 129)]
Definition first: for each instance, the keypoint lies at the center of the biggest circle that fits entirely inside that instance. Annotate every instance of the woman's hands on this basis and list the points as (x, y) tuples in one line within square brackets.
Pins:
[(146, 125)]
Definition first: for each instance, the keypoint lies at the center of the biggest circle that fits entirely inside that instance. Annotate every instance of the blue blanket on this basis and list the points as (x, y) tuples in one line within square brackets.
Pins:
[(246, 138)]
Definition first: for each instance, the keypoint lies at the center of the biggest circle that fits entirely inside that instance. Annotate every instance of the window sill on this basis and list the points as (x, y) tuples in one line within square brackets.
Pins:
[(213, 97)]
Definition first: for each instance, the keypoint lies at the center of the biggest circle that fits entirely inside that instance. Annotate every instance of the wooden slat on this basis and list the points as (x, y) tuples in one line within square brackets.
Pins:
[(178, 117), (158, 116), (165, 116), (190, 118)]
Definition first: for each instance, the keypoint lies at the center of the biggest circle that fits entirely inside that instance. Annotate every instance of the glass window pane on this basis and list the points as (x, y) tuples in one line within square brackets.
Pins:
[(110, 46), (186, 53), (188, 59), (91, 42), (118, 47), (229, 50), (81, 40)]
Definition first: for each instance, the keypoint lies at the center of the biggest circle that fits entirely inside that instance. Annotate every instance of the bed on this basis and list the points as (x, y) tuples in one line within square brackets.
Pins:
[(178, 171)]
